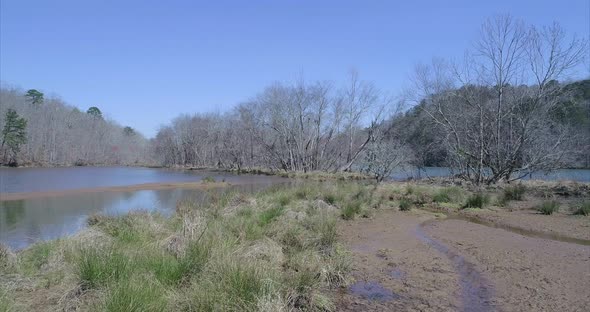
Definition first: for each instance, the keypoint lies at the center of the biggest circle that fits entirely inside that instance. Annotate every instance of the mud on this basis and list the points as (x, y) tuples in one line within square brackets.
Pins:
[(425, 279), (561, 226), (457, 265)]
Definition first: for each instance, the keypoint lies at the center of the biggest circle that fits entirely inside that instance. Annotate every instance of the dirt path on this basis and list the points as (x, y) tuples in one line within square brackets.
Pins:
[(455, 265)]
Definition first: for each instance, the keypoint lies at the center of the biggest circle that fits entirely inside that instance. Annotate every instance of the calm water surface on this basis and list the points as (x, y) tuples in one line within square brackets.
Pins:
[(23, 222)]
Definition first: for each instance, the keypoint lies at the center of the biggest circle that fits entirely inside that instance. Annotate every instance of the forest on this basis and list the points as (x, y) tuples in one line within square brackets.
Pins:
[(507, 109)]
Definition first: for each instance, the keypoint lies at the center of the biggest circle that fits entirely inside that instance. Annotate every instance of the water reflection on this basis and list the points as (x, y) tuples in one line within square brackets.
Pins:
[(23, 222)]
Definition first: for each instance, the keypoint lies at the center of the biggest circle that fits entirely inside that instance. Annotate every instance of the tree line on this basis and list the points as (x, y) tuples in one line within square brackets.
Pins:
[(47, 132), (504, 111), (501, 113)]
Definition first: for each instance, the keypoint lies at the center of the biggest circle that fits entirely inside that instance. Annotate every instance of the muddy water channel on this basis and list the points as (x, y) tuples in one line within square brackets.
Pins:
[(476, 291), (68, 196)]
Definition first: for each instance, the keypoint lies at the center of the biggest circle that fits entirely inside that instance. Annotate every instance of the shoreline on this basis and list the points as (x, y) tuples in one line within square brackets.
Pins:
[(125, 188)]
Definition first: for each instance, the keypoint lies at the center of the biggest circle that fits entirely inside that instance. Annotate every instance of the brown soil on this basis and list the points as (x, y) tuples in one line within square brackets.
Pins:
[(127, 188), (451, 265), (561, 224)]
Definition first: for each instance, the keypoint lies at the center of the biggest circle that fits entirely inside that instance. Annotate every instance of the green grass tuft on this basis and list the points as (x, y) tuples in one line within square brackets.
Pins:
[(135, 295), (208, 179), (351, 209), (515, 192), (478, 200), (405, 204), (97, 267), (548, 207), (267, 216), (583, 209)]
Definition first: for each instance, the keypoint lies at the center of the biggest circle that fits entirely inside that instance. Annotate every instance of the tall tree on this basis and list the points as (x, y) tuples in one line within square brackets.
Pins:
[(94, 112), (14, 134), (35, 97)]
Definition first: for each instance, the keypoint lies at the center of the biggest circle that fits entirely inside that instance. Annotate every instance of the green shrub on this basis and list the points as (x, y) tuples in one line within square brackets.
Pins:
[(448, 195), (351, 209), (477, 200), (515, 192), (583, 209), (405, 204), (208, 179), (548, 207)]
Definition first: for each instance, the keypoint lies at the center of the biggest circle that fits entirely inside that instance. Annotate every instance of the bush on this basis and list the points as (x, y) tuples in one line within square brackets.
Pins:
[(478, 200), (351, 209), (515, 192), (405, 204), (548, 207), (583, 209)]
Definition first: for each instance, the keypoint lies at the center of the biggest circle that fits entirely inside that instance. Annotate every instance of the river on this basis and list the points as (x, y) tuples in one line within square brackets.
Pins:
[(33, 218)]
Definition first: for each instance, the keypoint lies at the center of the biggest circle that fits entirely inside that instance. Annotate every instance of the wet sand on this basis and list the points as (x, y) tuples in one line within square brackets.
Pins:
[(126, 188), (456, 265)]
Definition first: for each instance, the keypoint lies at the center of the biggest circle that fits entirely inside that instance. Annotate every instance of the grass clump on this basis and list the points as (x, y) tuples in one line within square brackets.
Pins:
[(548, 207), (268, 253), (405, 204), (98, 267), (36, 256), (448, 195), (351, 209), (208, 179), (135, 295), (477, 200), (267, 216), (515, 192), (583, 209)]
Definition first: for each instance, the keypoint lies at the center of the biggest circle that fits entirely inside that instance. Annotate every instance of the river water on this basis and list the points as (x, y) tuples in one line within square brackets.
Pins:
[(25, 221), (35, 218)]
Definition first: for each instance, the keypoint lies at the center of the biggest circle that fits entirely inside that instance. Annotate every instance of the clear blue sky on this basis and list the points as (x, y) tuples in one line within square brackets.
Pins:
[(144, 62)]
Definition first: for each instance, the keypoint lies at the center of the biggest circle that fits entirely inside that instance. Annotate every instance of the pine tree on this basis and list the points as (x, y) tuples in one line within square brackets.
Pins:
[(14, 134)]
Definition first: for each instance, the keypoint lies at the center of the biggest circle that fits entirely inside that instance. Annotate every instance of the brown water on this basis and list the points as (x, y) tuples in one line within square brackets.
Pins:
[(23, 222)]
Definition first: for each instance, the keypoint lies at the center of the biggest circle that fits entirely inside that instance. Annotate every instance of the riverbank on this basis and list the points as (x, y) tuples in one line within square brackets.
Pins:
[(321, 246)]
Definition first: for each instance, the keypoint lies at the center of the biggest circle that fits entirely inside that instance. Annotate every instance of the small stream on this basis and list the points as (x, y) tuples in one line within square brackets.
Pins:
[(476, 291)]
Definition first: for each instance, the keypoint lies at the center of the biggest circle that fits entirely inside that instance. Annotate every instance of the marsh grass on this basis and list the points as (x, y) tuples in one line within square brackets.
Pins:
[(351, 209), (274, 251), (477, 200), (405, 204), (515, 192), (548, 207), (448, 195), (582, 209)]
